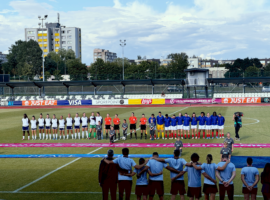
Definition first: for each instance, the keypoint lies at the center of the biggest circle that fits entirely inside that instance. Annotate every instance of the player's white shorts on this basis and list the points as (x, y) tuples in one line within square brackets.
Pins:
[(202, 127), (186, 128), (173, 128), (180, 127), (214, 127), (167, 128), (193, 126), (221, 127), (208, 127)]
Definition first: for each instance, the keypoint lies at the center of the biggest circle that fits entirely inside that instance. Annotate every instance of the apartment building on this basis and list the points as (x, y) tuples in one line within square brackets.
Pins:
[(105, 55), (3, 57), (54, 36)]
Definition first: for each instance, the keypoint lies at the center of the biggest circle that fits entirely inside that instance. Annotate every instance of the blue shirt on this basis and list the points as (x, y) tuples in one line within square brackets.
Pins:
[(176, 164), (209, 169), (194, 121), (250, 174), (154, 120), (187, 120), (221, 121), (167, 121), (214, 119), (143, 178), (227, 173), (194, 176), (156, 167), (201, 120), (160, 120), (208, 121), (180, 120), (173, 121), (124, 163)]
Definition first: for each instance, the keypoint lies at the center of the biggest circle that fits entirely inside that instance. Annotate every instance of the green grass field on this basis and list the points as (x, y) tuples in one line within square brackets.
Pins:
[(77, 178)]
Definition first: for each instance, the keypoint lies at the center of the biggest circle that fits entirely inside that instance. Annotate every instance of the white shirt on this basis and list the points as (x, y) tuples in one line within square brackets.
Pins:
[(41, 122), (54, 123), (92, 120), (48, 121), (99, 119), (33, 123), (25, 122), (61, 123), (84, 121), (69, 121), (77, 121)]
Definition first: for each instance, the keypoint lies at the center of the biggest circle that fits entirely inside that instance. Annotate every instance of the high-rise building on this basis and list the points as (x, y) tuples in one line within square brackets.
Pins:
[(54, 36), (105, 55), (3, 57)]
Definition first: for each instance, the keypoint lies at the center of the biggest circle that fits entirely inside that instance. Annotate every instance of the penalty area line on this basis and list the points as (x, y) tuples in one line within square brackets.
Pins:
[(42, 177)]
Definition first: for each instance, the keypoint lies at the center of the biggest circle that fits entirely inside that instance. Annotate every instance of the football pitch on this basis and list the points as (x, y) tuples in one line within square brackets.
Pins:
[(77, 178)]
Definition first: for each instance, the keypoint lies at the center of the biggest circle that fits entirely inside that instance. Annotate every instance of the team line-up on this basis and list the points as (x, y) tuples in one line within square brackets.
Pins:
[(172, 126)]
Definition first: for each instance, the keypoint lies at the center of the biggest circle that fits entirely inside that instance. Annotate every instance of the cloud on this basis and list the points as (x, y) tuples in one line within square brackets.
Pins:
[(220, 28)]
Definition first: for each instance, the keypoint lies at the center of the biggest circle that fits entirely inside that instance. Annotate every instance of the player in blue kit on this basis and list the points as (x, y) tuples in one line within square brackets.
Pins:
[(187, 121), (214, 118), (208, 125), (221, 122), (201, 120), (160, 125), (155, 122), (167, 122), (194, 122), (180, 119), (173, 127)]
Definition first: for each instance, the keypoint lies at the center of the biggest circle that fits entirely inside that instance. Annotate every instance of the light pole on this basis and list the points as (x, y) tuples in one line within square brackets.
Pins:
[(123, 44), (45, 17)]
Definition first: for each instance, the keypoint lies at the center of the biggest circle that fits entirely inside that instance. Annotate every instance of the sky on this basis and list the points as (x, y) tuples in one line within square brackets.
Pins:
[(217, 29)]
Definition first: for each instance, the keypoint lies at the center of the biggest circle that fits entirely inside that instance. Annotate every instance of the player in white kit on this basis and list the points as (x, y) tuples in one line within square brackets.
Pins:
[(34, 127), (69, 123), (54, 127), (25, 126), (48, 124), (41, 126), (77, 124), (99, 119), (92, 125), (62, 123), (85, 121)]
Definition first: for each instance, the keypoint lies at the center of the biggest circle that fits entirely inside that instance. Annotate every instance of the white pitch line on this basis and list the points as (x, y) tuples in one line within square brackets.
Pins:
[(40, 192), (16, 191)]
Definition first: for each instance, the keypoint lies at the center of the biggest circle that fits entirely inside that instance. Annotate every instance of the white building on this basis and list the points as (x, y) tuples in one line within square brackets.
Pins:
[(54, 36), (105, 55)]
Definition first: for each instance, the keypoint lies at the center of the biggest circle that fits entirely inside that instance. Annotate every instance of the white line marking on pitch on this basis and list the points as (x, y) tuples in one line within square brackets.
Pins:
[(15, 191), (39, 192), (256, 122)]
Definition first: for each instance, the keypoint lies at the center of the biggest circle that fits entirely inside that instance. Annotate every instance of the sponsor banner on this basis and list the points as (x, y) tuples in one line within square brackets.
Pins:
[(110, 102), (73, 102), (265, 100), (134, 101), (15, 103), (158, 101), (242, 100), (146, 101), (133, 145), (188, 101), (39, 103)]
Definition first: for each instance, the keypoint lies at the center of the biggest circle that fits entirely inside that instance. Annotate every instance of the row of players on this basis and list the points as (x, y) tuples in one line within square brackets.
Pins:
[(172, 124)]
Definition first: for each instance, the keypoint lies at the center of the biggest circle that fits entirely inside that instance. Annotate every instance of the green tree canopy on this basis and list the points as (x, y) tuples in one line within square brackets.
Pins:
[(77, 70)]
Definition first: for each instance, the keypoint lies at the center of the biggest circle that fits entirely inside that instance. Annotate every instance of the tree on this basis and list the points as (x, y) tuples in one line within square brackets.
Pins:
[(49, 64), (27, 70), (178, 64), (77, 70), (252, 71), (139, 57)]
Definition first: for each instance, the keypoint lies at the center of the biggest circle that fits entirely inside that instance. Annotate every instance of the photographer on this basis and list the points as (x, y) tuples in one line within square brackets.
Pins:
[(237, 124)]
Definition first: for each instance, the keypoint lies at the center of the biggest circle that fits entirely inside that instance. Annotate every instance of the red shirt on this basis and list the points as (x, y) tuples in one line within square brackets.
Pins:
[(108, 121), (132, 120), (143, 121), (116, 121)]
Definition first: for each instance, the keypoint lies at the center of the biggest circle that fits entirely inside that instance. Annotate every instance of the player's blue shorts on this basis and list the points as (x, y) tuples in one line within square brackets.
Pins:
[(33, 129), (54, 128), (41, 127), (69, 127), (84, 126), (48, 127), (77, 127), (25, 128), (61, 129)]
